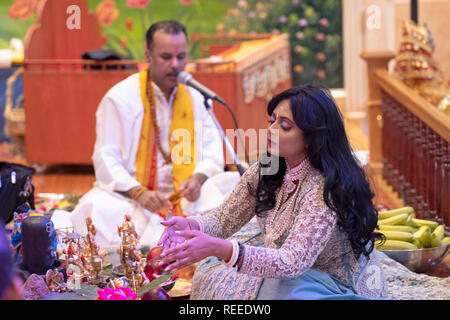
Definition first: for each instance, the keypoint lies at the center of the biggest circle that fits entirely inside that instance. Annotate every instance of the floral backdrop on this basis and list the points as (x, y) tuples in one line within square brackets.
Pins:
[(314, 26)]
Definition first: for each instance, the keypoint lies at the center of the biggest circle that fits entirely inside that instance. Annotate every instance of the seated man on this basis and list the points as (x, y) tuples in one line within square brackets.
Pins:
[(155, 139)]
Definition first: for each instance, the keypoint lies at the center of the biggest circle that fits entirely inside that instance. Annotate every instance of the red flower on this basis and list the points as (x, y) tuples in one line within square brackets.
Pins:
[(320, 36), (186, 2), (129, 24), (321, 74), (141, 4), (123, 42), (22, 9), (324, 22), (107, 12), (193, 37)]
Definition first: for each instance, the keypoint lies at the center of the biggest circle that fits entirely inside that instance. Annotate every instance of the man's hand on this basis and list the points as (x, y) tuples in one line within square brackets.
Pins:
[(190, 188), (153, 201)]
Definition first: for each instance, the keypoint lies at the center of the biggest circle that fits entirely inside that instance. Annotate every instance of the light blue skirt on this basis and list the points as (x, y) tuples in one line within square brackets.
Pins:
[(311, 285)]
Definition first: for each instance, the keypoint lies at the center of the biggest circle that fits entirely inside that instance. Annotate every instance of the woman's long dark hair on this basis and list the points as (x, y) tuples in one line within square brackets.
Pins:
[(346, 190)]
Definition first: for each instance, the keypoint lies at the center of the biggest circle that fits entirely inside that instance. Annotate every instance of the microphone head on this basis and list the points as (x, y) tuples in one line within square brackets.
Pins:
[(183, 77)]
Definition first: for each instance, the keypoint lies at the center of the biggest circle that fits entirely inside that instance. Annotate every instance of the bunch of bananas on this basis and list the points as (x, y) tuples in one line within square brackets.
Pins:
[(404, 232)]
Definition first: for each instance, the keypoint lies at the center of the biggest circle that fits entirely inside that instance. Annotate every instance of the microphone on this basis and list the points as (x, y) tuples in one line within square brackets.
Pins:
[(186, 78)]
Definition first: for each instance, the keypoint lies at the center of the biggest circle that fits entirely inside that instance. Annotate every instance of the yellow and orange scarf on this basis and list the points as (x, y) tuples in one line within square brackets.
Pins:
[(182, 131)]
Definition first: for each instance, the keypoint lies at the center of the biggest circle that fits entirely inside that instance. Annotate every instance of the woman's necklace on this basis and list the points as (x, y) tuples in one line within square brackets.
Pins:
[(151, 101), (292, 176), (278, 219)]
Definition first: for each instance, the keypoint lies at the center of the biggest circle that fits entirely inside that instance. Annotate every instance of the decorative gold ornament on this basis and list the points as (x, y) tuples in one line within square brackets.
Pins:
[(415, 66)]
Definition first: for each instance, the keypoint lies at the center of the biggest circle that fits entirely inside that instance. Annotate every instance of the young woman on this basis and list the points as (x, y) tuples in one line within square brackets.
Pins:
[(315, 214)]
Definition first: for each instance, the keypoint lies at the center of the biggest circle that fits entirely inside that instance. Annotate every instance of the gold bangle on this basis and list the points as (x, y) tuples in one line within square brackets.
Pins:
[(135, 194)]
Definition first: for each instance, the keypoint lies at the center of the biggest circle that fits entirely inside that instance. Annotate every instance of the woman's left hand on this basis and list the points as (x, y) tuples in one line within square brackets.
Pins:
[(197, 247)]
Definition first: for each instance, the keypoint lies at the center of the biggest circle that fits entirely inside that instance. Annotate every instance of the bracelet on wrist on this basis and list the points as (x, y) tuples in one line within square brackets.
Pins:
[(190, 227), (136, 193), (240, 255), (234, 254)]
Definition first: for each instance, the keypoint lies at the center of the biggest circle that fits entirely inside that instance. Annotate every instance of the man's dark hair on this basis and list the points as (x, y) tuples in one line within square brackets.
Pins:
[(169, 27)]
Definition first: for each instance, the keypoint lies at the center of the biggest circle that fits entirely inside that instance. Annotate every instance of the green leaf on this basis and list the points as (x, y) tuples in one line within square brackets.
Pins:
[(154, 283)]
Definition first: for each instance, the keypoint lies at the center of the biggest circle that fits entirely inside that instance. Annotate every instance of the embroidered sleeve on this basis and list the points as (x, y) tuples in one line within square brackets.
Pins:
[(234, 212), (310, 232)]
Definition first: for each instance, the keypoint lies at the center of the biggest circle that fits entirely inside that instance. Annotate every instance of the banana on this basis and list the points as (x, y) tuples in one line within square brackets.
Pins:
[(395, 220), (397, 235), (445, 241), (395, 245), (394, 212), (424, 236), (429, 223), (439, 231), (411, 223), (388, 227), (435, 241), (417, 243)]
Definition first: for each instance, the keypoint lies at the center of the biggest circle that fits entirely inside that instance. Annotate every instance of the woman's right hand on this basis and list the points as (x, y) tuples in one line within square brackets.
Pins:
[(169, 237)]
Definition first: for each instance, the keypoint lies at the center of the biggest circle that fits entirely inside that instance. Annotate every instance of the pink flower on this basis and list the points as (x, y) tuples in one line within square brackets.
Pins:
[(283, 19), (243, 4), (122, 293), (298, 49), (320, 36), (252, 14), (107, 12), (186, 2), (141, 4), (22, 9), (324, 22), (302, 22)]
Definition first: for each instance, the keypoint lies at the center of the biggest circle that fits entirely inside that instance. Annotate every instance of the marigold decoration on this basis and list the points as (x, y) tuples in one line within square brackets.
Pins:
[(22, 9), (415, 66), (140, 4), (121, 293), (107, 12)]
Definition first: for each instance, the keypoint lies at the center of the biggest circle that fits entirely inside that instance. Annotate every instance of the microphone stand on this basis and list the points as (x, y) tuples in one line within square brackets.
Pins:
[(224, 137)]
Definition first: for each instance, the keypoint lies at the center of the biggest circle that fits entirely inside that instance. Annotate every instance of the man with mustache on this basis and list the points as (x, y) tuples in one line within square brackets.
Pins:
[(156, 146)]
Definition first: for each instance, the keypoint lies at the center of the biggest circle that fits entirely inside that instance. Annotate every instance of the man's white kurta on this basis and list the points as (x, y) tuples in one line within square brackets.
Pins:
[(119, 121)]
